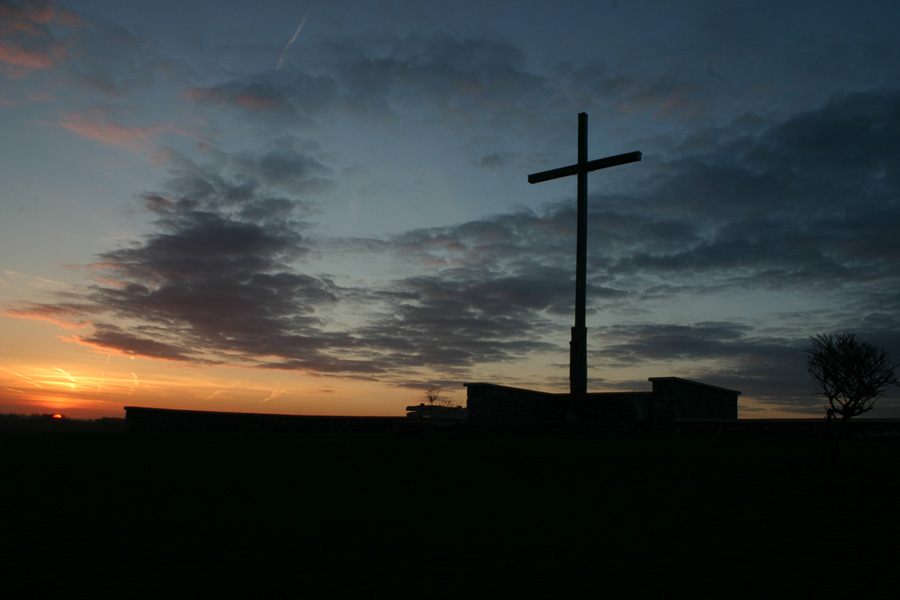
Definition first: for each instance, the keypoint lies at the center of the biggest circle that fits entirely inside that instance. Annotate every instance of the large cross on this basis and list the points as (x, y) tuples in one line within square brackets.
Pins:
[(578, 345)]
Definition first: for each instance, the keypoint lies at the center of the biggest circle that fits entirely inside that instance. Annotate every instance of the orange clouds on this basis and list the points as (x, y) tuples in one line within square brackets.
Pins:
[(23, 19), (50, 14), (28, 43), (61, 316), (30, 59), (99, 125), (132, 138)]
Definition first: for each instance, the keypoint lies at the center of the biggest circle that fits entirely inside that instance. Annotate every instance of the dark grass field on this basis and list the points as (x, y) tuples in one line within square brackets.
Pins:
[(539, 516)]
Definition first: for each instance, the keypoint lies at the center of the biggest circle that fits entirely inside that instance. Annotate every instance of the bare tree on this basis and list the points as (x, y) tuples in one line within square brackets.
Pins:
[(433, 395), (851, 374)]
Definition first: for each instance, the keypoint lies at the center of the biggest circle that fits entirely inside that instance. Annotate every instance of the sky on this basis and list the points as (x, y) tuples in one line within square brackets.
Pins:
[(322, 207)]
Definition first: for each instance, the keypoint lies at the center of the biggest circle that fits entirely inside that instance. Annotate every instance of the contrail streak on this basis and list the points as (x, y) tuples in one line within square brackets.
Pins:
[(66, 374), (296, 33), (274, 394), (25, 377), (103, 375)]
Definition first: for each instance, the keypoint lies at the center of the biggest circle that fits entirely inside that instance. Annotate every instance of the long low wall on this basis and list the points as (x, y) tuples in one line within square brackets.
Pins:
[(139, 419)]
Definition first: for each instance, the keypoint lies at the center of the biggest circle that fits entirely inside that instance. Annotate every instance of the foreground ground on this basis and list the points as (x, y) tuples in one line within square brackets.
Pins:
[(441, 515)]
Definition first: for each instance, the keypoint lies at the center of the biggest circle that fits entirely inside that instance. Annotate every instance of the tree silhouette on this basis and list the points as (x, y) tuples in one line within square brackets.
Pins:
[(433, 395), (851, 374)]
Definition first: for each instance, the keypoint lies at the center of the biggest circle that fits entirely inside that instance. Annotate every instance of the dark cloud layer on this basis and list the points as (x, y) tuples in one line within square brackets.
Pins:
[(813, 199), (809, 204)]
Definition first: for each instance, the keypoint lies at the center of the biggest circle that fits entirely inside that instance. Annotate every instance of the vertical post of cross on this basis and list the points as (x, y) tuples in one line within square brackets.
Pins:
[(578, 345)]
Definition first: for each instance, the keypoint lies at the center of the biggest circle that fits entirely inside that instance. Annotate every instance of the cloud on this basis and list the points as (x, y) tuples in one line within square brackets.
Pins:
[(730, 354), (12, 54), (450, 322), (26, 17), (294, 166), (660, 341), (116, 62), (212, 287), (273, 98), (809, 202), (99, 123), (493, 160), (458, 76), (67, 316), (664, 94), (383, 79), (27, 40), (111, 338), (213, 282), (86, 50), (262, 185)]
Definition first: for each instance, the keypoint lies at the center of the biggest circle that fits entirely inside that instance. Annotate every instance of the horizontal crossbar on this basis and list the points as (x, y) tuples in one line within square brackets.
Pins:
[(593, 165)]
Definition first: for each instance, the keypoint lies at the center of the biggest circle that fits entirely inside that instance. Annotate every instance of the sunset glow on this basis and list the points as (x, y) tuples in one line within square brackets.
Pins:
[(322, 207)]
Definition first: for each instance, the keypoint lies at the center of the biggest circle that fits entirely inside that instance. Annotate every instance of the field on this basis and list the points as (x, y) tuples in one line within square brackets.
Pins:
[(549, 516)]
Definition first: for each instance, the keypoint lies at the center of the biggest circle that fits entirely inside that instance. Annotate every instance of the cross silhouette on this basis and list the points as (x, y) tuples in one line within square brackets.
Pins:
[(578, 345)]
